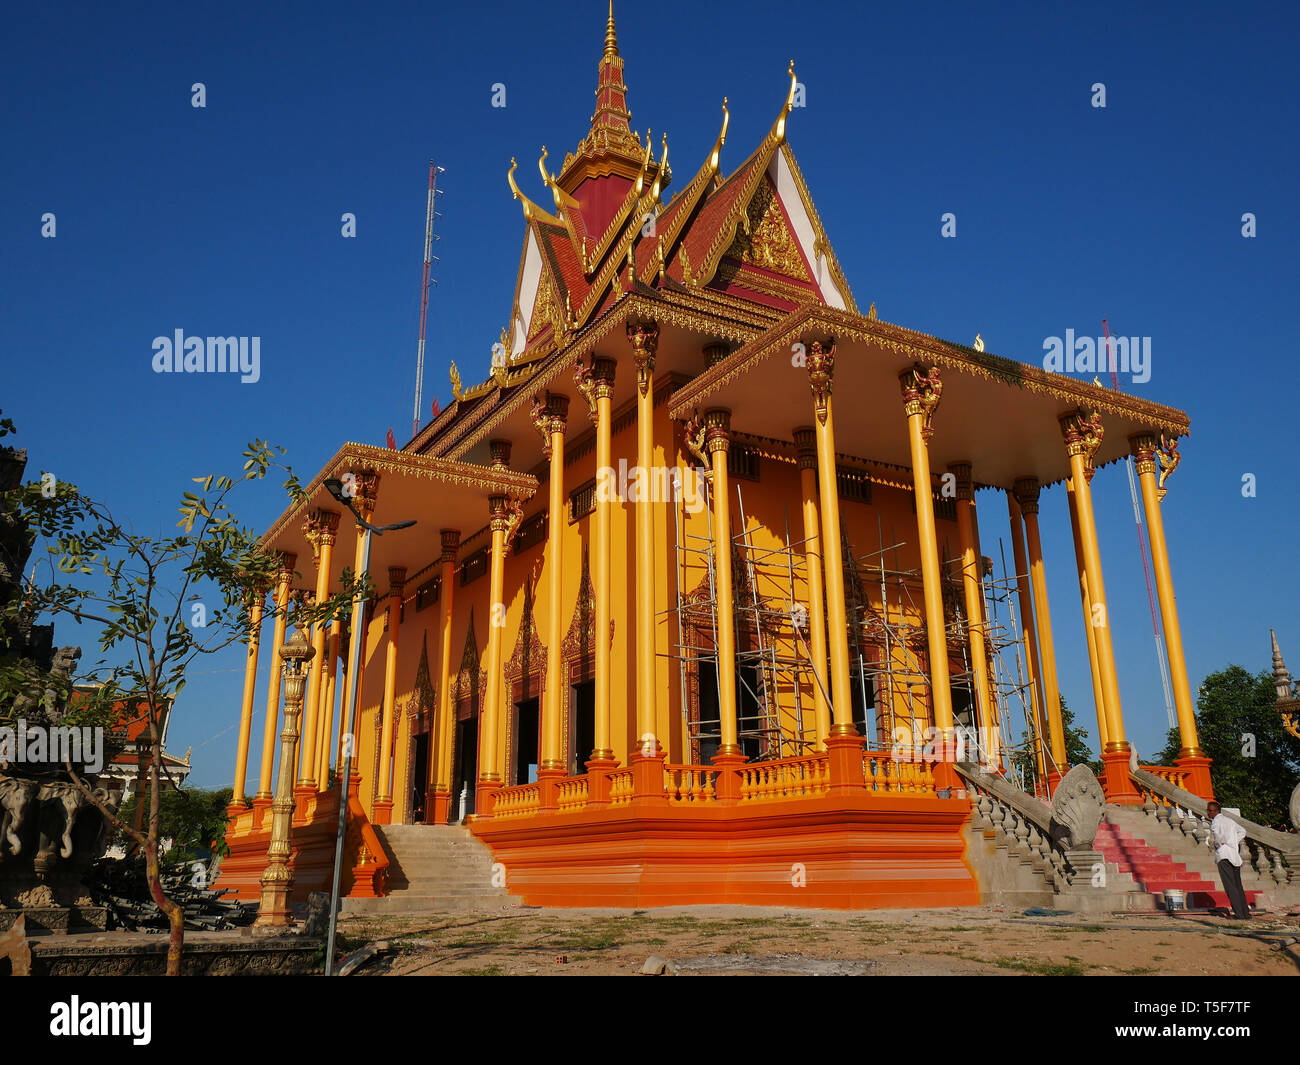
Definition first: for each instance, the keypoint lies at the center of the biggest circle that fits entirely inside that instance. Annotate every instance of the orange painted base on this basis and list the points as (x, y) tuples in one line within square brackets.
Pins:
[(1118, 785), (838, 852), (381, 812), (438, 803), (1198, 776)]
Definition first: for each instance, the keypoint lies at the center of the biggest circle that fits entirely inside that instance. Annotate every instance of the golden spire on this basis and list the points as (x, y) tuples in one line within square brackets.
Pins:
[(715, 159), (611, 38), (778, 130)]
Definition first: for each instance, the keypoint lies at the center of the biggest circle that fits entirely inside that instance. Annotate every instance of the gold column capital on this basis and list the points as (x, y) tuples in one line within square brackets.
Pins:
[(965, 486), (450, 544), (805, 442), (820, 360), (1026, 491), (320, 529), (1083, 434), (1168, 457), (922, 389), (644, 338), (550, 415), (594, 382), (1143, 448), (396, 580), (366, 492), (500, 452), (717, 429), (506, 515)]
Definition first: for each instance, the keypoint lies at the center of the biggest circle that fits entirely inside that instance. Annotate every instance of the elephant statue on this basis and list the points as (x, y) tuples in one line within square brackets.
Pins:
[(17, 802)]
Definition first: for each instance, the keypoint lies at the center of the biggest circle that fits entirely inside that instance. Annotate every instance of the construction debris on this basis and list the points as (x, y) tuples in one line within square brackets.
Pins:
[(122, 884)]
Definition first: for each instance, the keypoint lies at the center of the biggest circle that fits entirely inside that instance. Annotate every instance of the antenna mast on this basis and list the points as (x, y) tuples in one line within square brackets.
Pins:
[(429, 260)]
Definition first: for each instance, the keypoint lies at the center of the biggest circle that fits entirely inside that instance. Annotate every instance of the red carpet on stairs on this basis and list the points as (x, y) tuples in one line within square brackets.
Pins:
[(1156, 871)]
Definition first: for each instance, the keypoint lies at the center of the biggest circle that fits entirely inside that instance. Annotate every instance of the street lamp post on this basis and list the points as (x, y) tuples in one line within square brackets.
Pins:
[(335, 488)]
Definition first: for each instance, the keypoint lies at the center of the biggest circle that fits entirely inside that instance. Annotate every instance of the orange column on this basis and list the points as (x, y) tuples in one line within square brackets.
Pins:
[(246, 709), (1098, 695), (973, 596), (262, 800), (325, 739), (921, 391), (504, 521), (382, 811), (551, 419), (1082, 431), (1042, 754), (1026, 489), (437, 803), (717, 424), (601, 759), (1191, 757), (320, 528), (805, 439), (648, 757)]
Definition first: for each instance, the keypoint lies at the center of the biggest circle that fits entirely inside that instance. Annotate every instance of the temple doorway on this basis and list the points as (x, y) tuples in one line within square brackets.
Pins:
[(582, 728), (419, 780), (465, 770), (527, 734)]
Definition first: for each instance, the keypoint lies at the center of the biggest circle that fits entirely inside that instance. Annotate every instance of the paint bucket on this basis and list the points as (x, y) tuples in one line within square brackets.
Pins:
[(1175, 901)]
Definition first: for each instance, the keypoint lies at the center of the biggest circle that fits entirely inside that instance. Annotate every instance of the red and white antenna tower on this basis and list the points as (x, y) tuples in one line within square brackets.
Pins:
[(429, 260)]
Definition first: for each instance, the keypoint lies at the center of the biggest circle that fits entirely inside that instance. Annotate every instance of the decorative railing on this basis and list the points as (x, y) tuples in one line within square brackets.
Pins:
[(572, 793), (884, 772), (689, 785), (363, 852), (620, 787), (1170, 774), (786, 778), (1272, 856), (1022, 826), (520, 800)]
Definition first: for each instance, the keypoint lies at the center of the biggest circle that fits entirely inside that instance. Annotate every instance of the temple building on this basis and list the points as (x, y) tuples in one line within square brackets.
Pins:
[(695, 608)]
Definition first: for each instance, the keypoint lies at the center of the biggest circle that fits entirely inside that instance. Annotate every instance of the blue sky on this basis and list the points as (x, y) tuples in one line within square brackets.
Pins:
[(226, 220)]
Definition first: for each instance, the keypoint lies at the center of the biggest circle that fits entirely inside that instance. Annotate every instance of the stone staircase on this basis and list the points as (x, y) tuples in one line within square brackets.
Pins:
[(434, 869), (1157, 858)]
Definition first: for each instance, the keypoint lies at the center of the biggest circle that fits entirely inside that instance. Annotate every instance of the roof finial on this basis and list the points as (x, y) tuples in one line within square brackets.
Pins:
[(611, 38), (1281, 676)]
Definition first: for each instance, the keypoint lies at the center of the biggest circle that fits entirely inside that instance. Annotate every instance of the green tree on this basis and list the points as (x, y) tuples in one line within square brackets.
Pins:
[(194, 820), (1256, 761), (1077, 751), (158, 602)]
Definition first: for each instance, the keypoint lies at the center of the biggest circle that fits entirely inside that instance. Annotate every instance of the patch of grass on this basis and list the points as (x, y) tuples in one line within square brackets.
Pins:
[(1038, 968), (487, 970), (1139, 970)]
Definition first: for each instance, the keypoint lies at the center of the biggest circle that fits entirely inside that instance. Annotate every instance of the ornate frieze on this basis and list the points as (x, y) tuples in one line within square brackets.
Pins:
[(1026, 491), (805, 442), (550, 415), (450, 544)]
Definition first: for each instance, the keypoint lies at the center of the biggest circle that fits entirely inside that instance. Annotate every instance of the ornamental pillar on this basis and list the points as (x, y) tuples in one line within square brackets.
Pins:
[(1027, 490), (282, 592), (504, 521), (365, 496), (805, 439), (1083, 432), (256, 606), (1029, 633), (844, 744), (277, 879), (644, 338), (320, 529), (972, 590), (437, 801), (717, 440), (1098, 694), (382, 809), (550, 416), (1147, 451), (597, 383), (921, 390), (325, 738)]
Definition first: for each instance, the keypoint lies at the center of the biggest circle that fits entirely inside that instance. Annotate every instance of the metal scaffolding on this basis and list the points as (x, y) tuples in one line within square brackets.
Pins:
[(888, 642)]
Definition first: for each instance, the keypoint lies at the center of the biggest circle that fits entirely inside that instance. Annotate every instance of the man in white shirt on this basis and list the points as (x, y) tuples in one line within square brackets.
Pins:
[(1227, 853)]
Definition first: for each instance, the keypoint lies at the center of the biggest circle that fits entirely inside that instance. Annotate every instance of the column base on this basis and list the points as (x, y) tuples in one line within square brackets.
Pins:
[(648, 773), (437, 806), (261, 811), (485, 797), (381, 813), (846, 772), (599, 766), (1053, 778), (1117, 782), (727, 787), (1197, 767), (548, 790)]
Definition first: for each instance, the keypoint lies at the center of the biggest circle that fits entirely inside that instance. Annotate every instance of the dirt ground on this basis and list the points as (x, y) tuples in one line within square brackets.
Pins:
[(742, 940)]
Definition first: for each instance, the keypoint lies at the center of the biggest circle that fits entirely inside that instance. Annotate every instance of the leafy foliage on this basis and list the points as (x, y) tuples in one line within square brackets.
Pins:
[(1077, 751), (192, 818), (1233, 705)]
